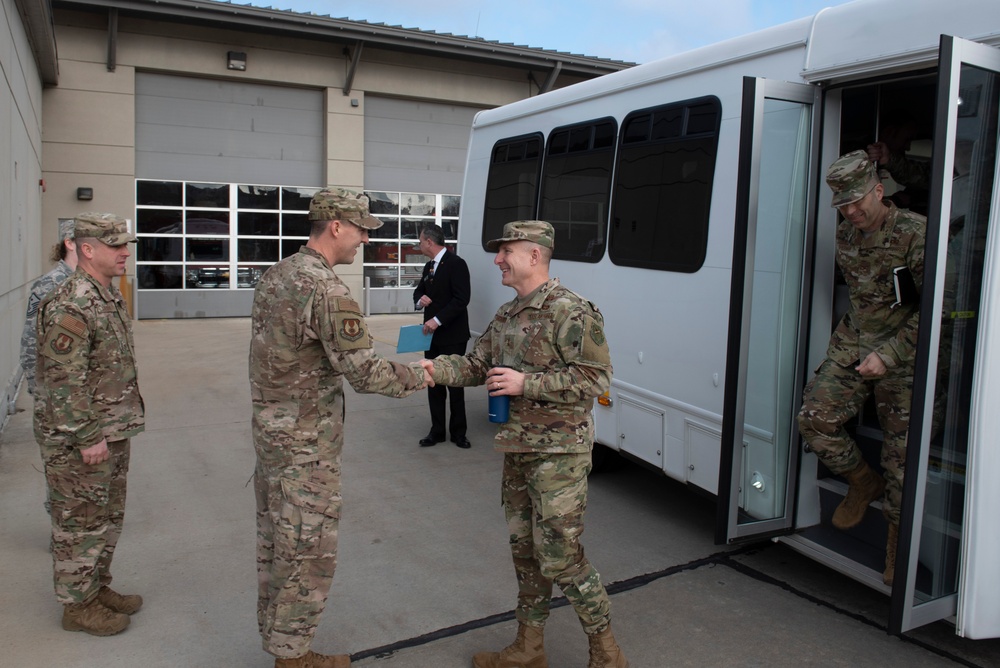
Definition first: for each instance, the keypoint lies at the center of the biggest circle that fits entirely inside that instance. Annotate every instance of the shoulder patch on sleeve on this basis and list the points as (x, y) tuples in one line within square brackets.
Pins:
[(61, 336), (597, 333), (62, 343), (72, 324), (346, 304), (33, 302), (349, 328), (595, 344)]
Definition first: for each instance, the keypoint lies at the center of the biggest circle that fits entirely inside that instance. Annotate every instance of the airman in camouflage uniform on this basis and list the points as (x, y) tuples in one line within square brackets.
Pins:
[(546, 350), (87, 407), (880, 251), (65, 254), (308, 334)]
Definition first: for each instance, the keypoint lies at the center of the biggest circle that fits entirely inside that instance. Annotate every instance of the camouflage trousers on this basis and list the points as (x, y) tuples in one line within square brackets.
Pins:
[(298, 513), (544, 498), (834, 396), (87, 512)]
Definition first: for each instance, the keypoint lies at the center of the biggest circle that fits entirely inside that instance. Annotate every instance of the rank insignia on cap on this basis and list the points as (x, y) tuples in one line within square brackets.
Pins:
[(62, 344), (350, 329)]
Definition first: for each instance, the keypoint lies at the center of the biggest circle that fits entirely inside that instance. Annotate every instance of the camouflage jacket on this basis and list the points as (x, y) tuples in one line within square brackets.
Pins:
[(874, 321), (908, 172), (87, 385), (556, 338), (29, 342), (307, 334)]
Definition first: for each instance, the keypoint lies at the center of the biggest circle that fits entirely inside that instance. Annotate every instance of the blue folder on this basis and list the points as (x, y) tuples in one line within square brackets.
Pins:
[(412, 339)]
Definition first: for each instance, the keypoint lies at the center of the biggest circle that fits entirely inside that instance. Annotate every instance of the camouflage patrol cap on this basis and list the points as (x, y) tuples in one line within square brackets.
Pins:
[(105, 227), (851, 177), (343, 204), (65, 228), (526, 230)]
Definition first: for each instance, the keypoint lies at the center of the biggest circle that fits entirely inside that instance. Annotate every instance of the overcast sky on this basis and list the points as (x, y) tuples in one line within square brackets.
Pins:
[(629, 30)]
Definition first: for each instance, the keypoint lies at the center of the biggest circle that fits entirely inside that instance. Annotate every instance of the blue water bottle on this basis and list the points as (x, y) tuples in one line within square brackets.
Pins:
[(499, 406)]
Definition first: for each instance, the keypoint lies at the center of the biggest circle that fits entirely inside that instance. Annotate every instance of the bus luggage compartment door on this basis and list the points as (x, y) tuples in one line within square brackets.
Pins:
[(641, 431)]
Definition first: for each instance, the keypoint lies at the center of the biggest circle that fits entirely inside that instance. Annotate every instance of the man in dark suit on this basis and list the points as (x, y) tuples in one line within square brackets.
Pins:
[(443, 293)]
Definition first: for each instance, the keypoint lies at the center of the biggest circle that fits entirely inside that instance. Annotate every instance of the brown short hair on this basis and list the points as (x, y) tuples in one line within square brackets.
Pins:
[(59, 252), (317, 227)]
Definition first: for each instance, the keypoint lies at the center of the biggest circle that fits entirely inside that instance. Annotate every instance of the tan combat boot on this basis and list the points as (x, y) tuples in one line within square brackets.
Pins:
[(128, 604), (313, 660), (93, 618), (527, 651), (890, 554), (605, 652), (866, 486)]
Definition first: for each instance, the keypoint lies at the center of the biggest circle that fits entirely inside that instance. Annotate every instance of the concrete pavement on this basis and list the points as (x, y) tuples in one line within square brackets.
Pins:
[(424, 577)]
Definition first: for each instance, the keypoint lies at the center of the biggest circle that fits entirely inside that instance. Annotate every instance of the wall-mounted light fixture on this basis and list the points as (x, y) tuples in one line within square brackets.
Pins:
[(236, 60), (85, 194)]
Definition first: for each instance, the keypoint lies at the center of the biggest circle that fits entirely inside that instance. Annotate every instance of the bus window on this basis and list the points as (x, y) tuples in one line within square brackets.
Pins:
[(512, 184), (576, 188), (663, 187)]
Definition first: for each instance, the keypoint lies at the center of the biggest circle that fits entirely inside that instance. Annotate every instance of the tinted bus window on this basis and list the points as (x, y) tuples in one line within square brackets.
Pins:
[(512, 184), (576, 188), (663, 186)]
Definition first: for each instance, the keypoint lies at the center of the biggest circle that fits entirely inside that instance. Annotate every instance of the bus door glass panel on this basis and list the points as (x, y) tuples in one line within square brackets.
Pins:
[(763, 370), (962, 207)]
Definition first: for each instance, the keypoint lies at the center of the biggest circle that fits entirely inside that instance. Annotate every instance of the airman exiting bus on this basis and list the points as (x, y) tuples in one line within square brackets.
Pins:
[(880, 251)]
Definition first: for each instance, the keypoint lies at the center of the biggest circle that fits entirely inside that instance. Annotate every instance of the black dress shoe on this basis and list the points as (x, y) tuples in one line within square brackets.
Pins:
[(462, 442), (429, 440)]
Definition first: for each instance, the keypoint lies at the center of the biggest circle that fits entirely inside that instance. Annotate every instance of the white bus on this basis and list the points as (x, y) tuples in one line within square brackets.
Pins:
[(688, 200)]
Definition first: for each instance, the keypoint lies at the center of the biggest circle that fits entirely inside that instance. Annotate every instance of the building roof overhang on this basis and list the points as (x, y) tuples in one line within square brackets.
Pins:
[(353, 33), (36, 16)]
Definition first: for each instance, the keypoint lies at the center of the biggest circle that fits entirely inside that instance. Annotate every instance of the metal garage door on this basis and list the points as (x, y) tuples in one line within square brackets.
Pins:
[(414, 146), (190, 129), (223, 171)]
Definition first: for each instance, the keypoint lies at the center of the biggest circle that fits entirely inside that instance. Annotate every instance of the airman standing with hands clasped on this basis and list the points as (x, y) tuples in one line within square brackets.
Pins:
[(87, 408)]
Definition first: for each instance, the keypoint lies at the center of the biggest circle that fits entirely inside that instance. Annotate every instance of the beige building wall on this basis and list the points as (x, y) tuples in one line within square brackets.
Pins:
[(21, 246), (345, 161), (89, 118)]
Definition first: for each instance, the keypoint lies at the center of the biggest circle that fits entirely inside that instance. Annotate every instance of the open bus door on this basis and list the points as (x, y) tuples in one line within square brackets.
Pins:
[(774, 208), (946, 560)]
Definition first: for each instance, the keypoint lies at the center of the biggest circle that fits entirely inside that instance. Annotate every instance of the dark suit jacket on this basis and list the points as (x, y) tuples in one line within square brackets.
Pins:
[(449, 291)]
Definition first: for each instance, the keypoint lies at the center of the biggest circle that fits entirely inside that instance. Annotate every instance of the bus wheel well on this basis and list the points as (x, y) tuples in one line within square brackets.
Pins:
[(605, 459)]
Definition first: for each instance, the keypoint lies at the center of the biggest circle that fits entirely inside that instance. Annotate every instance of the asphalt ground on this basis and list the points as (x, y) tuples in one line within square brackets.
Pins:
[(424, 578)]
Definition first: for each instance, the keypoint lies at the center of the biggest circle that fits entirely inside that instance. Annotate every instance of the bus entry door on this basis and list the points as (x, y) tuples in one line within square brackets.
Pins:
[(774, 204), (948, 553)]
